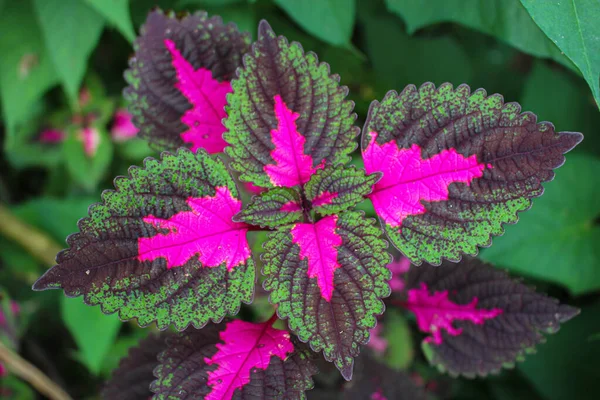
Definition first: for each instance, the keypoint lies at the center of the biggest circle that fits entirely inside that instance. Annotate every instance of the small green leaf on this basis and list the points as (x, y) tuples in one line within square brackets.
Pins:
[(400, 351), (573, 26), (278, 206), (26, 70), (93, 331), (71, 30), (557, 240), (330, 20), (506, 20), (333, 190), (117, 14)]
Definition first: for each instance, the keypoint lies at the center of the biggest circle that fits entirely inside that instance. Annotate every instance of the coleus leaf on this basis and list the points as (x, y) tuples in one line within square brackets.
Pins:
[(132, 379), (478, 318), (276, 207), (179, 79), (377, 381), (233, 360), (288, 115), (328, 278), (335, 189), (456, 166), (162, 246)]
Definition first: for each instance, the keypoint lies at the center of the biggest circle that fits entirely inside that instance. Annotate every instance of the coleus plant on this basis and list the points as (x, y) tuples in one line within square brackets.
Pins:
[(444, 169)]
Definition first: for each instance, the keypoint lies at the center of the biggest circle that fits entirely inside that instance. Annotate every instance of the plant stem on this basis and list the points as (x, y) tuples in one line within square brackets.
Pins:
[(31, 374), (36, 242)]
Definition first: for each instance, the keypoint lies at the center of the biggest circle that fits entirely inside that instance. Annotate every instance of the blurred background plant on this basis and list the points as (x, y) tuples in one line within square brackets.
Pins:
[(66, 133)]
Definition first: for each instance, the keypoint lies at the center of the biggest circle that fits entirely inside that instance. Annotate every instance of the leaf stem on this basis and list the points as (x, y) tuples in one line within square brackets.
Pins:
[(36, 242), (273, 318), (31, 374)]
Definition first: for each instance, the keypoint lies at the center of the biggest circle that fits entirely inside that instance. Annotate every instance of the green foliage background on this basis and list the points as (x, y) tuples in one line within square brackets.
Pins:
[(543, 54)]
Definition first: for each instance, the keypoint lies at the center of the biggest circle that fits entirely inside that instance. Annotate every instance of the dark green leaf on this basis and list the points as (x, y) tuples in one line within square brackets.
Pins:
[(71, 30), (573, 26), (330, 20)]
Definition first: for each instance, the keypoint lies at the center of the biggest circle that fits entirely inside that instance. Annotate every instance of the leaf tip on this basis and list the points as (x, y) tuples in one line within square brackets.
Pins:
[(265, 30)]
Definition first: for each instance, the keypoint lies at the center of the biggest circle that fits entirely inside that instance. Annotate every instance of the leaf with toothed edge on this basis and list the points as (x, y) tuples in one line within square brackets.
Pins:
[(336, 189), (179, 79), (328, 279), (288, 116), (132, 379), (162, 246), (456, 166), (478, 319), (377, 381), (276, 207), (206, 364)]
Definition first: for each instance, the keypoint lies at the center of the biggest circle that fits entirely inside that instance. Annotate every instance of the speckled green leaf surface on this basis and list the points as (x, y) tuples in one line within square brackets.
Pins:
[(335, 322), (456, 166), (317, 112), (126, 257), (278, 206)]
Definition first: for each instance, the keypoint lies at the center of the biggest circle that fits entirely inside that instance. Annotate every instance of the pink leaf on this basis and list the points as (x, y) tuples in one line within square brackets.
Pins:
[(319, 243), (206, 231), (408, 179), (246, 346), (123, 128), (208, 99), (398, 268), (291, 206), (436, 312), (292, 167), (323, 199)]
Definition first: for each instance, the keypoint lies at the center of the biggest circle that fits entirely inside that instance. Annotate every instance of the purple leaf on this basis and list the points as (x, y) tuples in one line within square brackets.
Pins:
[(179, 79), (336, 189), (288, 116), (233, 360), (480, 319), (328, 279), (132, 379), (456, 166), (162, 246), (276, 207), (377, 381)]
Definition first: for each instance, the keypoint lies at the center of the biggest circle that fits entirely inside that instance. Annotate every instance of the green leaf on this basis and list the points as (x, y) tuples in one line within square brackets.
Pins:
[(71, 30), (400, 351), (278, 206), (557, 240), (26, 70), (93, 331), (399, 60), (85, 169), (566, 367), (330, 20), (573, 26), (506, 20), (117, 14), (333, 190)]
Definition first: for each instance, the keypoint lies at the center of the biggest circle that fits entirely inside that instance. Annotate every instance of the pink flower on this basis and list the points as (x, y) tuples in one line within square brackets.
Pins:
[(398, 268), (52, 136), (91, 139), (378, 343), (123, 128)]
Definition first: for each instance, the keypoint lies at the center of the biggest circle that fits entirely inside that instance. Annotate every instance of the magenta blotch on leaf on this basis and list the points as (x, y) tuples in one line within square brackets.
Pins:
[(52, 136), (208, 98), (435, 312), (90, 137), (206, 232), (319, 244), (408, 179), (293, 167)]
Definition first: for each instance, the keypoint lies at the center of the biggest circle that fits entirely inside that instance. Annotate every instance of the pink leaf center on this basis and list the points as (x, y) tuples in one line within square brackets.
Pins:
[(291, 206), (208, 98), (436, 312), (408, 179), (123, 128), (206, 231), (245, 346), (319, 244), (324, 199), (292, 167)]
